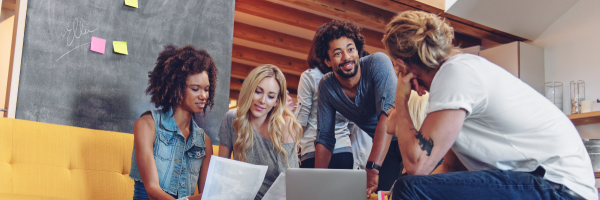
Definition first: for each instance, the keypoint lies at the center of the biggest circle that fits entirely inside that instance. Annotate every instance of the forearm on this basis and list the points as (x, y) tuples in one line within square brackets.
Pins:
[(322, 156), (205, 164), (381, 142), (155, 192), (413, 156), (150, 179), (416, 148)]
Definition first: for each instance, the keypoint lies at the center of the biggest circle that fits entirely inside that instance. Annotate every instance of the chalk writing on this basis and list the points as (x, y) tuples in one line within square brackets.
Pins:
[(71, 50), (75, 29)]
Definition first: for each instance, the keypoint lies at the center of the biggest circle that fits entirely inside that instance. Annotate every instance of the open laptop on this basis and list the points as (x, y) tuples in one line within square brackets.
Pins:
[(329, 184)]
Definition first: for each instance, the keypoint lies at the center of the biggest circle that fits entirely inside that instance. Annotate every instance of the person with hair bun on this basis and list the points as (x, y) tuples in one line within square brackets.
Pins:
[(262, 130), (171, 153), (514, 142)]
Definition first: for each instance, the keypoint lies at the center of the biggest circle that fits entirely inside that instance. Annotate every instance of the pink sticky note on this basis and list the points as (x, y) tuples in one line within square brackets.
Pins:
[(98, 45)]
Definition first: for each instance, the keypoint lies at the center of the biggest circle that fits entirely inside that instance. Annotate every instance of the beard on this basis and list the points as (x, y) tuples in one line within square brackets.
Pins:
[(346, 74)]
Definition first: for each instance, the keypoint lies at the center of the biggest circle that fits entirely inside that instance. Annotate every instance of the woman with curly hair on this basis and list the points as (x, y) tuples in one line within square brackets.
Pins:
[(171, 153), (262, 131)]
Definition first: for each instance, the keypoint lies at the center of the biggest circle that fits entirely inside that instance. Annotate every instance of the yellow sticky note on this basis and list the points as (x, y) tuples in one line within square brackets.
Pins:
[(132, 3), (120, 47)]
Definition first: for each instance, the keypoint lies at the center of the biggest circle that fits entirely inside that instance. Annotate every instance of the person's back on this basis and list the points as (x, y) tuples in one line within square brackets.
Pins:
[(510, 125)]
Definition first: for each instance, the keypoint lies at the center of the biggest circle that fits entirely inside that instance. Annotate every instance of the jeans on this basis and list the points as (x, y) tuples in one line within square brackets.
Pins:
[(486, 184), (139, 191), (342, 160)]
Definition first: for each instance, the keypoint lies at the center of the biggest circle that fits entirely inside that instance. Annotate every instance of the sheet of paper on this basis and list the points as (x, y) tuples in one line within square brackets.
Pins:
[(120, 47), (231, 179), (98, 45), (277, 190), (132, 3)]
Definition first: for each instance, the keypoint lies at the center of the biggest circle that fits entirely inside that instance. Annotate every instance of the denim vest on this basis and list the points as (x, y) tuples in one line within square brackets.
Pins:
[(178, 163)]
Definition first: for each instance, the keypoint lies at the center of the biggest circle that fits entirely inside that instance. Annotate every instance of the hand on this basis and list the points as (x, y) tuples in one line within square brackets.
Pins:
[(372, 181), (403, 88)]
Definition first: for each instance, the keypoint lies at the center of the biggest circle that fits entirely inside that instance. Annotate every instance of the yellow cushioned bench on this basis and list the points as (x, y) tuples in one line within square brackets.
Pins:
[(63, 162)]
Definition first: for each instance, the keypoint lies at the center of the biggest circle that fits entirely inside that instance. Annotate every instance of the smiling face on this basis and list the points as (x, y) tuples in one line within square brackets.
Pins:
[(266, 96), (196, 92), (343, 57)]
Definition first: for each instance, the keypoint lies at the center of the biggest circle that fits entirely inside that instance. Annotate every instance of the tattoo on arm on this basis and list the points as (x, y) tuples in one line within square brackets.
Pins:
[(424, 143)]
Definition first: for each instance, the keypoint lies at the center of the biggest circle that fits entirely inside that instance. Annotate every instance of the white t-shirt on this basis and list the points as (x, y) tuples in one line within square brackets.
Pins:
[(306, 115), (509, 125)]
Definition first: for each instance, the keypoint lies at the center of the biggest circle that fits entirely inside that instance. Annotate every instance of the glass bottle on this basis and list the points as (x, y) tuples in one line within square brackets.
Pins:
[(554, 93), (573, 88), (580, 92)]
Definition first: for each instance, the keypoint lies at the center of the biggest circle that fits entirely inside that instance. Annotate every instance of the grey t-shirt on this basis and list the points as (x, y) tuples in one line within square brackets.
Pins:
[(375, 95), (262, 152)]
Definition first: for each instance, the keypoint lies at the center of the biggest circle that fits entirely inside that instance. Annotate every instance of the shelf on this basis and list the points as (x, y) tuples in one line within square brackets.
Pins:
[(585, 118)]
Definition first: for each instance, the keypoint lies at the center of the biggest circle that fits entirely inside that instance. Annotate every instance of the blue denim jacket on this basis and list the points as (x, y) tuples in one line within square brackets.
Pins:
[(178, 163)]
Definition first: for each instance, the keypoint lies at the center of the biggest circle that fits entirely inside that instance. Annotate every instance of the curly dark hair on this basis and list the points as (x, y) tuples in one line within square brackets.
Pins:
[(335, 30), (167, 82)]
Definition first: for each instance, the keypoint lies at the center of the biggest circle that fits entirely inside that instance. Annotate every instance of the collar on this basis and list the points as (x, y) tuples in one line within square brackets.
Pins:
[(167, 121)]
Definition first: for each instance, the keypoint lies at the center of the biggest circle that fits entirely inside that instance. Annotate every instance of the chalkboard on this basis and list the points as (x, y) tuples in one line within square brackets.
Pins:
[(63, 82)]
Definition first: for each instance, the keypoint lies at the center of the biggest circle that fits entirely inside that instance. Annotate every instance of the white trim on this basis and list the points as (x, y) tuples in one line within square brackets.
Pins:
[(20, 14)]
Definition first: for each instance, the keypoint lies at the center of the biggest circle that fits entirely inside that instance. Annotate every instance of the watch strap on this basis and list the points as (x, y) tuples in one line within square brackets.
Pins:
[(372, 165)]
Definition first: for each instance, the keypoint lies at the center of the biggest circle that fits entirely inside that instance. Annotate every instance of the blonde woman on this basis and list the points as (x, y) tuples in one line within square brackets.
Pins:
[(262, 131), (514, 142)]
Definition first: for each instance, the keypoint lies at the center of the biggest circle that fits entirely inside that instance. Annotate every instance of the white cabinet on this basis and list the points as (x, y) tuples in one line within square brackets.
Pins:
[(522, 60)]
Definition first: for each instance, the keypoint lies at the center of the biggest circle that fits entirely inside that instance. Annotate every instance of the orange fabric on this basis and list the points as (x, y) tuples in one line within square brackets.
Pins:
[(63, 162)]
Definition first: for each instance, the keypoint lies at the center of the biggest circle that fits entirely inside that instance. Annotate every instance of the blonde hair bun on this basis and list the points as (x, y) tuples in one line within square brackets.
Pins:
[(420, 38)]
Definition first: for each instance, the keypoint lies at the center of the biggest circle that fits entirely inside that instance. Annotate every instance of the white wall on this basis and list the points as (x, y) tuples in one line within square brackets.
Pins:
[(572, 52)]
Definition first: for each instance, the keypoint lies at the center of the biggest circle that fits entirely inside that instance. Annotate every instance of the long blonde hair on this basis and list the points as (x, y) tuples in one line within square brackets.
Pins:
[(276, 117), (419, 38)]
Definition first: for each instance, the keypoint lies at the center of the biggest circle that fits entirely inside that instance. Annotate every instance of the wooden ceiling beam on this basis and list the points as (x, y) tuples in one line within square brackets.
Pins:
[(235, 84), (286, 64), (350, 10), (296, 17), (241, 71), (271, 38), (459, 24), (234, 94)]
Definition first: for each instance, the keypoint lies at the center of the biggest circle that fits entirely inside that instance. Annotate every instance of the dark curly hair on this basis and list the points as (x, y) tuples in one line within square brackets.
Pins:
[(174, 65), (335, 30)]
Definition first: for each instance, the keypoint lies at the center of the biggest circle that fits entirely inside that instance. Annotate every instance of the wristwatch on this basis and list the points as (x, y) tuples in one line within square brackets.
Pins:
[(372, 165)]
